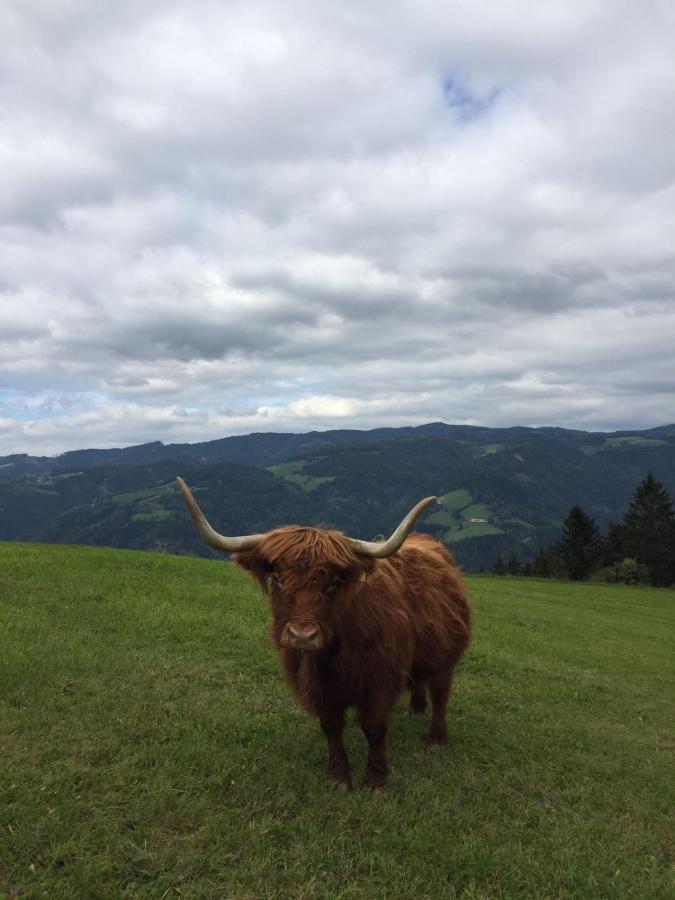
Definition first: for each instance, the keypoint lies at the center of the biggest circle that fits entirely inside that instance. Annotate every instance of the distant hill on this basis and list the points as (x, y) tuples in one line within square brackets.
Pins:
[(499, 489)]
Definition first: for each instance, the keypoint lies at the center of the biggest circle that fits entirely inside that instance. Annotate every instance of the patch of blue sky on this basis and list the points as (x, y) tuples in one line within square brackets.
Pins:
[(13, 405), (467, 106), (31, 406), (244, 402)]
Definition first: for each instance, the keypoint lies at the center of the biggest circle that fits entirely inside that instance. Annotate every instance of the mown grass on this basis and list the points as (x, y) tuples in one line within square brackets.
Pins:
[(456, 509), (153, 515), (148, 747), (146, 495), (292, 471), (455, 500)]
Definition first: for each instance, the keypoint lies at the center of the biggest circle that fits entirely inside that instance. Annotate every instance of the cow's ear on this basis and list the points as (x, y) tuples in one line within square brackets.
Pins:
[(364, 568), (257, 565), (244, 559)]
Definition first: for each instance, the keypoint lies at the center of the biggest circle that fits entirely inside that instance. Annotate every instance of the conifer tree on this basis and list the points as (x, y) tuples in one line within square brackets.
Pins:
[(513, 566), (499, 566), (612, 548), (541, 564), (649, 531), (579, 544)]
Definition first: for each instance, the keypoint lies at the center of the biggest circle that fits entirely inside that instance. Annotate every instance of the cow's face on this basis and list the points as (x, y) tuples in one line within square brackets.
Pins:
[(308, 575), (306, 604)]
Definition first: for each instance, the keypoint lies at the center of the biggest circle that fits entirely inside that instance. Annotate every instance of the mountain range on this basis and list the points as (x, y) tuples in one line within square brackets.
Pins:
[(499, 489)]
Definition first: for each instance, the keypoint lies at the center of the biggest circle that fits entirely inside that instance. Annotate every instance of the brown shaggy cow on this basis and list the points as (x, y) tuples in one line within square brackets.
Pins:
[(355, 623)]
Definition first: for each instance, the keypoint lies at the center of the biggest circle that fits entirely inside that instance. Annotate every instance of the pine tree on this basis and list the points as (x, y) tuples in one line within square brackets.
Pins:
[(612, 546), (541, 564), (513, 566), (649, 531), (499, 566), (579, 544)]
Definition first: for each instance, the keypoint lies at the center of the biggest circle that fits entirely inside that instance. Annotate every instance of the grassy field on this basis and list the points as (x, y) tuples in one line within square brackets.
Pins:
[(292, 471), (148, 747), (456, 509), (149, 503)]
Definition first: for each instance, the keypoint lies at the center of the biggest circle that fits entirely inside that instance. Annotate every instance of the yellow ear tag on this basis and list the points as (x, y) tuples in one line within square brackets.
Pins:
[(362, 576)]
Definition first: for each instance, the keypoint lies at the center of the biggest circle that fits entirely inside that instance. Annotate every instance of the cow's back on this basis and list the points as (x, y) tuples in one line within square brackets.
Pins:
[(438, 602)]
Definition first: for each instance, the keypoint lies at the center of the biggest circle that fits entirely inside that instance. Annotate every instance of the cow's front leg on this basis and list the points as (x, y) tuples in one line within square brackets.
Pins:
[(375, 722), (333, 724)]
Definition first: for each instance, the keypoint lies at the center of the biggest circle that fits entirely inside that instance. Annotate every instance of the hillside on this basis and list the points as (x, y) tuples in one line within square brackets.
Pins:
[(151, 749), (500, 489)]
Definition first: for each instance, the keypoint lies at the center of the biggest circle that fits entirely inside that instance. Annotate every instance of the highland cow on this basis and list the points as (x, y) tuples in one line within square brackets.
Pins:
[(356, 623)]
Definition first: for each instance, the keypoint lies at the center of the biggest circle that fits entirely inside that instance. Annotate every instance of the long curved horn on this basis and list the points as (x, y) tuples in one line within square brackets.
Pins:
[(382, 549), (218, 541)]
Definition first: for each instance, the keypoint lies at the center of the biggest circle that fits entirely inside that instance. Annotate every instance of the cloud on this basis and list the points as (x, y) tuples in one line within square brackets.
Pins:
[(223, 218)]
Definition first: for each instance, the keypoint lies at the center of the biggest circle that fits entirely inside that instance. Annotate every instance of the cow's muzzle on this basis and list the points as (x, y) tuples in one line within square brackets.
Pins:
[(302, 637)]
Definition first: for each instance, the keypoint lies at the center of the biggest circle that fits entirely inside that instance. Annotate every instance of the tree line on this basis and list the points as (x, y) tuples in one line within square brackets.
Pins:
[(638, 550)]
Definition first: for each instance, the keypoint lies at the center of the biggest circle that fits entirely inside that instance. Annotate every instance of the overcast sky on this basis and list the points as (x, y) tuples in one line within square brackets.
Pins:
[(218, 218)]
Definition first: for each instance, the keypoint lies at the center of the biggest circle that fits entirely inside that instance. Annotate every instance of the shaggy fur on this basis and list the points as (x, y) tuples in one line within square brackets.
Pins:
[(357, 632)]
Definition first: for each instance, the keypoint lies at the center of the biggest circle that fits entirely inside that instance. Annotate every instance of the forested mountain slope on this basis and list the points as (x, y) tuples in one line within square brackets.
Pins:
[(499, 489)]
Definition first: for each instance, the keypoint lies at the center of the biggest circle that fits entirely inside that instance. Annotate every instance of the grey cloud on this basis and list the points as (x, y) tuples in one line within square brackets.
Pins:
[(226, 218)]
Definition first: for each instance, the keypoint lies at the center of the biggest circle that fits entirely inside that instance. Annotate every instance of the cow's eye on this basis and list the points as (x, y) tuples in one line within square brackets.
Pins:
[(274, 580), (334, 585)]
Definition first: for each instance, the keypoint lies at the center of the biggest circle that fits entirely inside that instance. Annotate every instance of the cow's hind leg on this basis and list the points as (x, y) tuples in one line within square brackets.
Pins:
[(418, 695), (333, 724), (439, 688)]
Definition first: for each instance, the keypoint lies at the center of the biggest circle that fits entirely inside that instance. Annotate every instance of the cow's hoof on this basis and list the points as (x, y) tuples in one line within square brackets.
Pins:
[(436, 740), (375, 780), (344, 787)]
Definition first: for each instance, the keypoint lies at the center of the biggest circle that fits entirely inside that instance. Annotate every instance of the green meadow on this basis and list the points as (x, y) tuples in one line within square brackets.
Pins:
[(462, 517), (149, 748), (292, 471)]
